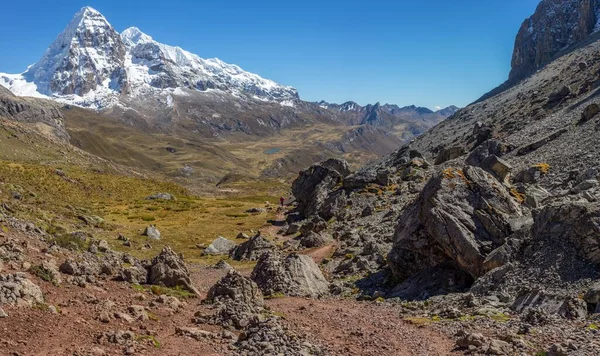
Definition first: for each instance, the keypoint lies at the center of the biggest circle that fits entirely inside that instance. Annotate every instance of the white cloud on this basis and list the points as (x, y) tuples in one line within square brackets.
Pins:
[(438, 108)]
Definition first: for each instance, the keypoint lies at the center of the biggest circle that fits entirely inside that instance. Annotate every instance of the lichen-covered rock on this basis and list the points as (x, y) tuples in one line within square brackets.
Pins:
[(459, 218), (169, 269)]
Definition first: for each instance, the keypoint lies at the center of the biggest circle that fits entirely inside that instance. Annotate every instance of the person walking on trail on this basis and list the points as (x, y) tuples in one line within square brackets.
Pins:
[(281, 201)]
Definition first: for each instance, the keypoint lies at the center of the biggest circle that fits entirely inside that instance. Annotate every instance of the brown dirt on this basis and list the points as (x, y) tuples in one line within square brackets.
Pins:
[(349, 327), (344, 327)]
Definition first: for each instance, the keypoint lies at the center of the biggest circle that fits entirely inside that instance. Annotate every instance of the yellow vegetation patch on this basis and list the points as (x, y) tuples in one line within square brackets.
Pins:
[(519, 196), (542, 167), (56, 200)]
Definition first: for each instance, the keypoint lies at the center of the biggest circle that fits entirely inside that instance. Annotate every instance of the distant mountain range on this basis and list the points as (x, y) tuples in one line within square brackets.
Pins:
[(156, 88)]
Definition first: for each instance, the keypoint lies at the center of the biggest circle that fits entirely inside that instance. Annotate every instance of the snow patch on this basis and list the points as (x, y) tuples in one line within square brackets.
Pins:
[(288, 103)]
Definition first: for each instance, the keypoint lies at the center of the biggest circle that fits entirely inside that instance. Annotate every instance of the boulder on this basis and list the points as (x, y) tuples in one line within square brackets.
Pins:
[(432, 282), (255, 211), (585, 185), (484, 150), (85, 266), (551, 303), (448, 154), (589, 112), (16, 289), (161, 196), (532, 174), (313, 185), (236, 287), (481, 132), (252, 249), (498, 167), (220, 246), (170, 270), (541, 142), (152, 233), (242, 235), (592, 296), (294, 275), (459, 218), (558, 97), (314, 239), (238, 299)]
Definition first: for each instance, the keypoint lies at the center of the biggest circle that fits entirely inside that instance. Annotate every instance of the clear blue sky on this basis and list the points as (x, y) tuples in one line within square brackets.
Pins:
[(428, 53)]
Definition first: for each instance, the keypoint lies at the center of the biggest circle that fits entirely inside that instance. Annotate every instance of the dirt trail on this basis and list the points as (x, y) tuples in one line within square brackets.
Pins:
[(360, 328)]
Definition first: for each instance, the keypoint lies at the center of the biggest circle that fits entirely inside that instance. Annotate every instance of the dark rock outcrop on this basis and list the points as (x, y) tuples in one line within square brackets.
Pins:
[(170, 270), (33, 111), (252, 249), (313, 185), (459, 218), (555, 25)]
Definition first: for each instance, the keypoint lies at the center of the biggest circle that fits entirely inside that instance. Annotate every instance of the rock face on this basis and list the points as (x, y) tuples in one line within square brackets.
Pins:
[(92, 53), (555, 25), (578, 222), (294, 275), (313, 185), (460, 217), (170, 270), (33, 111)]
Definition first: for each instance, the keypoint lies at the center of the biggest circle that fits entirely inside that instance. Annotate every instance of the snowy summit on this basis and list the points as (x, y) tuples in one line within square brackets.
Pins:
[(91, 65)]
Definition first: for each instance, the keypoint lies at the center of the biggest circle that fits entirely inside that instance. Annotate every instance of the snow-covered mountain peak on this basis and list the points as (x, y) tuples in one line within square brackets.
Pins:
[(133, 36), (86, 55), (91, 65)]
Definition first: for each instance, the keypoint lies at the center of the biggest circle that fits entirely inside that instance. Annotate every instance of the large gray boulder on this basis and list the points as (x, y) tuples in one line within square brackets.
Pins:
[(313, 185), (152, 233), (170, 270), (294, 275), (460, 217), (252, 249), (220, 246)]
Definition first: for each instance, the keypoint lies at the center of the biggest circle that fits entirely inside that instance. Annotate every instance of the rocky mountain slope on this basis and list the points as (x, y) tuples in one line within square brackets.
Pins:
[(486, 226), (480, 236), (46, 115)]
